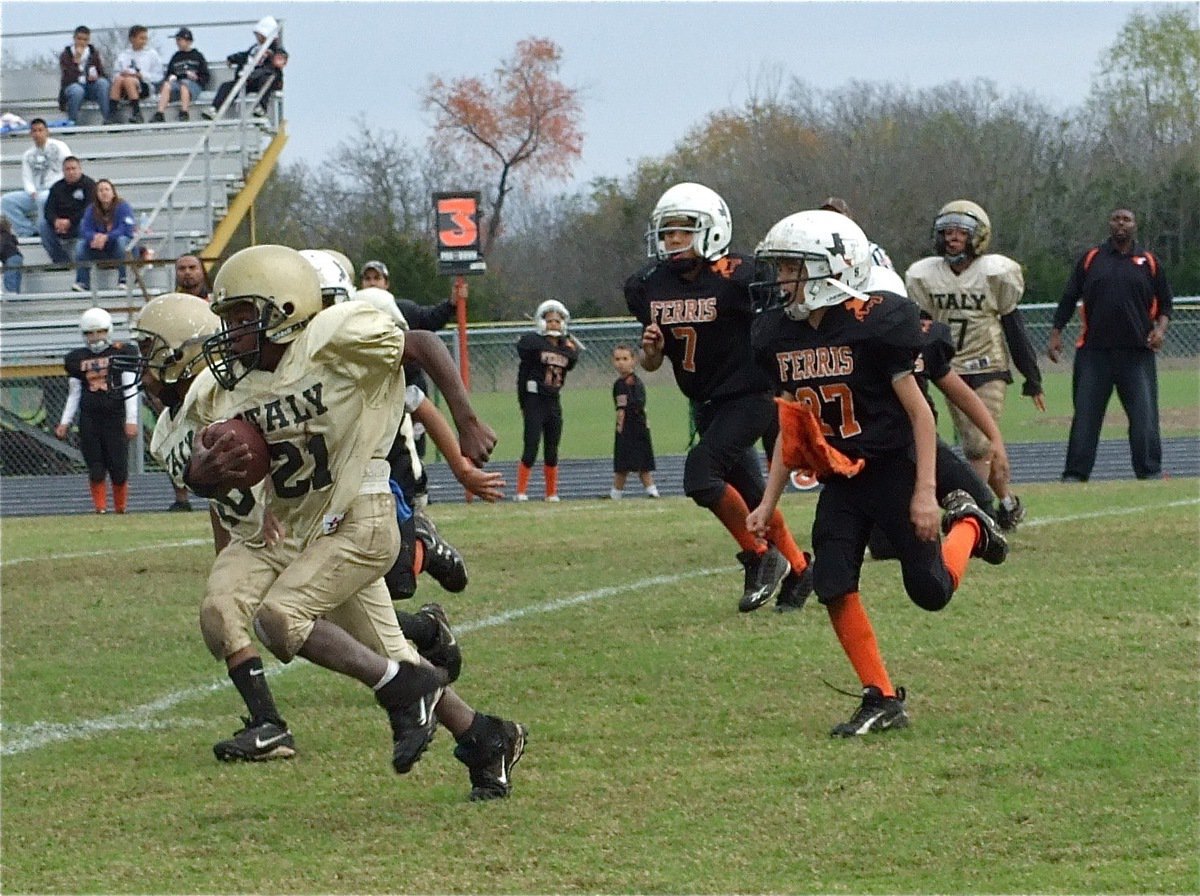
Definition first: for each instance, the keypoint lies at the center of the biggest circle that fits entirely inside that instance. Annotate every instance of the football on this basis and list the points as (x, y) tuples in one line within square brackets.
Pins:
[(248, 434)]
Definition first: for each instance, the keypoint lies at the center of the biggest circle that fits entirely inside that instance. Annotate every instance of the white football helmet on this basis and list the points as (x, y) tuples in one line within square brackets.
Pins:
[(281, 284), (336, 285), (380, 298), (96, 320), (170, 332), (342, 259), (968, 216), (545, 308), (708, 216), (883, 279), (833, 251)]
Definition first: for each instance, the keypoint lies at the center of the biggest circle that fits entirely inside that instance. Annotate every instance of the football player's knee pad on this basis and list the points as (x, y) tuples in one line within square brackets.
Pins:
[(929, 590), (272, 625), (223, 627)]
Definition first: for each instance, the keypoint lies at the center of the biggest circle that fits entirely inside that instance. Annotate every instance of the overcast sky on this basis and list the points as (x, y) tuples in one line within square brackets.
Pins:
[(648, 71)]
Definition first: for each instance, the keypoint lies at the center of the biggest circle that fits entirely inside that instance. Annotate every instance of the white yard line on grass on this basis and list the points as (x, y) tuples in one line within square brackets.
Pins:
[(108, 552), (23, 738)]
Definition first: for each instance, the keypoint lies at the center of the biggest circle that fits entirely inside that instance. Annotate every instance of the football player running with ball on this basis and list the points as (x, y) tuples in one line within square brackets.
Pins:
[(693, 300), (851, 411), (327, 392)]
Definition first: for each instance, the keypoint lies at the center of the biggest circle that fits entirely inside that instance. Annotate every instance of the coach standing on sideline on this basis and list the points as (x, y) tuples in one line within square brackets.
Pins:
[(1126, 307)]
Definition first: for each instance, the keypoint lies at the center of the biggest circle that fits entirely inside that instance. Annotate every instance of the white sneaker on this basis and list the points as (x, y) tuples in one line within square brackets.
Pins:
[(553, 499), (521, 497), (652, 492), (615, 494)]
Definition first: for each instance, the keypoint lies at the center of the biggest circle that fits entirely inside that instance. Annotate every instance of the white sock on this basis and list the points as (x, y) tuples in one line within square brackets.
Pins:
[(615, 494), (393, 669)]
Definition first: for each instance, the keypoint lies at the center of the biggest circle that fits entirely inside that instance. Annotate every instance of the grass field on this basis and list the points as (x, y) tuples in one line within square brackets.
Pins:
[(676, 746), (588, 414)]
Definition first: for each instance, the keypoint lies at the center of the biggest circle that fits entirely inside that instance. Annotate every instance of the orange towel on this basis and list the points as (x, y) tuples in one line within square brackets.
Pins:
[(804, 445)]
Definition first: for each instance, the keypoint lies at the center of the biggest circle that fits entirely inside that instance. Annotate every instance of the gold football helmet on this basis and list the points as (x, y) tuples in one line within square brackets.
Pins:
[(968, 216)]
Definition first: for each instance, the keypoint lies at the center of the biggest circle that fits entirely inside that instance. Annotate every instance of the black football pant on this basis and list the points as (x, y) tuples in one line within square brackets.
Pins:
[(1132, 372), (104, 446), (953, 473), (543, 420), (848, 508), (725, 453)]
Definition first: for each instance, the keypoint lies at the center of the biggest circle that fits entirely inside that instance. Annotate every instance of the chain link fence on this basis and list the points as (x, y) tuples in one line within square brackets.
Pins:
[(31, 406)]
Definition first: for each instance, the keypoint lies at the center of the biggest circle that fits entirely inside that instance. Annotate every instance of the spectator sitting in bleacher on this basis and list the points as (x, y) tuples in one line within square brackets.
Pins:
[(11, 257), (105, 232), (68, 200), (187, 75), (138, 67), (268, 73), (83, 76), (41, 167)]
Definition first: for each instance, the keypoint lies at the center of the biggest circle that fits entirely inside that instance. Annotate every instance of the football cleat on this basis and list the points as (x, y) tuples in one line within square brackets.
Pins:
[(991, 544), (415, 691), (875, 713), (764, 574), (442, 559), (796, 588), (444, 652), (257, 742), (490, 758), (1010, 519)]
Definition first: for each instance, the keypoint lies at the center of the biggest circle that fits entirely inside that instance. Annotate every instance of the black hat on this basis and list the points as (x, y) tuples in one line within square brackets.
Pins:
[(184, 32)]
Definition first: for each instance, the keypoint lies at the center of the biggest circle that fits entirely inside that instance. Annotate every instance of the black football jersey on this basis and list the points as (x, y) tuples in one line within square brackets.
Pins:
[(91, 369), (936, 351), (629, 397), (705, 325), (544, 361), (844, 368)]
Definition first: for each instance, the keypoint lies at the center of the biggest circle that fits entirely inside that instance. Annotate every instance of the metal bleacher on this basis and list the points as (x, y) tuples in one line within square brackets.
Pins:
[(192, 179)]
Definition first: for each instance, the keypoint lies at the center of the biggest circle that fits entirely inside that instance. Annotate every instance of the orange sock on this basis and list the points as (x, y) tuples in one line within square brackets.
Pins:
[(957, 547), (120, 496), (551, 476), (523, 478), (732, 511), (853, 628), (418, 558), (780, 535), (99, 495)]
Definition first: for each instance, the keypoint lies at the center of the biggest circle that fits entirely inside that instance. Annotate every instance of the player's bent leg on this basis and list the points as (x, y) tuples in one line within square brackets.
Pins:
[(990, 544)]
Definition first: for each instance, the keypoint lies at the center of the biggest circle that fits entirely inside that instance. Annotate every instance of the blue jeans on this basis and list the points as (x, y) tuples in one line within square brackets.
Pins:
[(113, 250), (1132, 372), (55, 245), (96, 91), (12, 273), (23, 211)]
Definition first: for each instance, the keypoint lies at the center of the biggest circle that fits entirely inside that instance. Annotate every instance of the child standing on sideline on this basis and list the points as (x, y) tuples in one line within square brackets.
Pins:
[(632, 449), (546, 356)]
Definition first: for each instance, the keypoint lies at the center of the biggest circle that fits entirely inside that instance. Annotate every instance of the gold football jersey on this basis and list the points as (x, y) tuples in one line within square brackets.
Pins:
[(329, 412), (971, 304)]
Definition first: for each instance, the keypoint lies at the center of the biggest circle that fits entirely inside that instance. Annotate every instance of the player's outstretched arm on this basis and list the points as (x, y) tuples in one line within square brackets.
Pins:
[(486, 484), (923, 509), (475, 437)]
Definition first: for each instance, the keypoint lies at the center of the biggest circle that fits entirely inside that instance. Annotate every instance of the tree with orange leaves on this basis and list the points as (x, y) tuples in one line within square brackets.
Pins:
[(525, 117)]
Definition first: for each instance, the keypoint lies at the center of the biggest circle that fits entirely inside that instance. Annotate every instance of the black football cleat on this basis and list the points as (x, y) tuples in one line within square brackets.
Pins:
[(1010, 519), (490, 757), (991, 544), (764, 574), (410, 700), (257, 742), (875, 713), (444, 652), (442, 560), (796, 587)]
